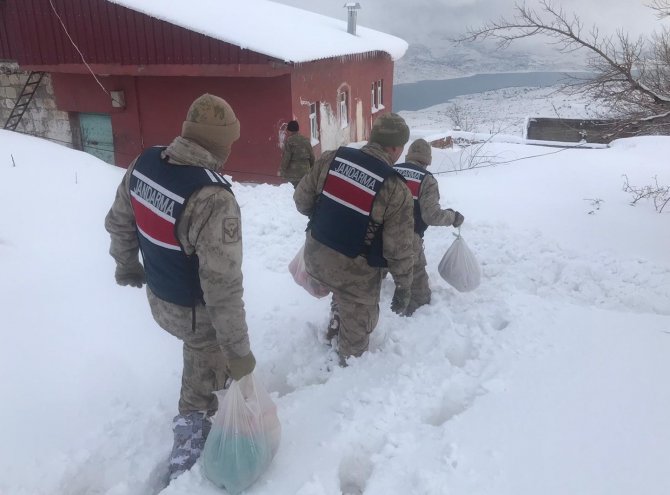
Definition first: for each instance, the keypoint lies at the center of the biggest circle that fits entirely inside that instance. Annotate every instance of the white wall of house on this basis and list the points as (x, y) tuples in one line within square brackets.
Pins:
[(331, 133)]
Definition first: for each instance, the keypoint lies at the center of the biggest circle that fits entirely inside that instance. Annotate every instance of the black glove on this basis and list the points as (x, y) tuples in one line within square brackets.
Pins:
[(241, 367), (130, 275), (400, 300)]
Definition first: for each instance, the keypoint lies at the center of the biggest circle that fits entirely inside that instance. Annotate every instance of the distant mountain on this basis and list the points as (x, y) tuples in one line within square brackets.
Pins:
[(445, 60)]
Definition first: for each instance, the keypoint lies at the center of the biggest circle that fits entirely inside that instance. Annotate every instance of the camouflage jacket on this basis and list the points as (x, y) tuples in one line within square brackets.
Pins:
[(429, 202), (210, 226), (297, 158), (393, 207)]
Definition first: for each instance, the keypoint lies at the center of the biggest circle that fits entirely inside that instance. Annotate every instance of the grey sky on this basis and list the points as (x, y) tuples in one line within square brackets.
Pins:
[(422, 20)]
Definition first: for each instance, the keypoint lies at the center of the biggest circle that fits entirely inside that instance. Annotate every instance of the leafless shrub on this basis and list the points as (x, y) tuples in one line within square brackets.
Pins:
[(659, 195), (595, 204), (460, 117), (474, 155)]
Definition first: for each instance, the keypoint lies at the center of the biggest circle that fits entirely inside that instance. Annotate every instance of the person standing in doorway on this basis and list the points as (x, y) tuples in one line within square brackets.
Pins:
[(297, 157)]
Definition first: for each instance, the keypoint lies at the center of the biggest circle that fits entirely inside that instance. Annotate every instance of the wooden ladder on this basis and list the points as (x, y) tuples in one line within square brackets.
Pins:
[(24, 99)]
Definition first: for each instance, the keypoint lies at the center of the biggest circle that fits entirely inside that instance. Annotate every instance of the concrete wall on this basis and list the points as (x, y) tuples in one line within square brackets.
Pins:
[(42, 118), (570, 130)]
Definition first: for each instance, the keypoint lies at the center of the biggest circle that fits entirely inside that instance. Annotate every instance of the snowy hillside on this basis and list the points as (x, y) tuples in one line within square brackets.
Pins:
[(504, 111), (440, 58), (549, 379)]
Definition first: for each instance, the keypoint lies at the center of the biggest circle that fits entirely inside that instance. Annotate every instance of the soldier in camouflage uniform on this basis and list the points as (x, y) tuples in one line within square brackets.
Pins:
[(427, 211), (360, 213), (175, 207), (298, 157)]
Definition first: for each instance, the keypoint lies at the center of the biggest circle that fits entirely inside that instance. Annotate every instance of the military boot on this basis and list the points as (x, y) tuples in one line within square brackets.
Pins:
[(334, 323), (190, 433)]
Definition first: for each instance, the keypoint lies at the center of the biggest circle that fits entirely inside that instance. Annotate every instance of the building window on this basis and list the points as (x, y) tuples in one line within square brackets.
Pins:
[(377, 95), (313, 124), (380, 94), (373, 94), (343, 103)]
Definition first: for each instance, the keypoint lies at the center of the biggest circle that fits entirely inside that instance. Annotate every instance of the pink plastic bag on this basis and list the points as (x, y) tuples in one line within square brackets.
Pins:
[(304, 279)]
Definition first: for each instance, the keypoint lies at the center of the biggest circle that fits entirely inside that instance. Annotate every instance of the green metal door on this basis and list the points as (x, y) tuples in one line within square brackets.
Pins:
[(96, 135)]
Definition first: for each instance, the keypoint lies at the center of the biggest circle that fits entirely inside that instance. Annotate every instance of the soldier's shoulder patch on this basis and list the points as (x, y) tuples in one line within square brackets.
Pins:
[(231, 229)]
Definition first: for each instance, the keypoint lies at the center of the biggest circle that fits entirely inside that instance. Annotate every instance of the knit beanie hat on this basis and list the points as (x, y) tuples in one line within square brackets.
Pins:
[(212, 124), (419, 151), (389, 130), (293, 126)]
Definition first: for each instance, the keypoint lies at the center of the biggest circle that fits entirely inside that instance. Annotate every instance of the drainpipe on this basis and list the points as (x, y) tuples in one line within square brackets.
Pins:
[(352, 7)]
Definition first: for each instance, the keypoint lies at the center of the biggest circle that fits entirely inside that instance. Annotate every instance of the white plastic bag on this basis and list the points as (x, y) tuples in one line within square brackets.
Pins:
[(459, 267), (304, 279), (244, 437)]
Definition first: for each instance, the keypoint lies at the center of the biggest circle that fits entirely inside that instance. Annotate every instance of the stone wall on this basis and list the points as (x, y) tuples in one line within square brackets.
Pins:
[(42, 118)]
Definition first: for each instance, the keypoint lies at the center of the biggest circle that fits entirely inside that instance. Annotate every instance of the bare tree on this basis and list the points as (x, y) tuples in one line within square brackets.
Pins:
[(662, 7), (460, 117), (632, 76)]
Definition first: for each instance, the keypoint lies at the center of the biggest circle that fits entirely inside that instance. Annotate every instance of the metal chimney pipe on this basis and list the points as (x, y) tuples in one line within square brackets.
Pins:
[(352, 7)]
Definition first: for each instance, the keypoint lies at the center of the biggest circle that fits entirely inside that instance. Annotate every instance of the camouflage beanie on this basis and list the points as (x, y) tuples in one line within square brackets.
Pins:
[(389, 130), (211, 123), (419, 151)]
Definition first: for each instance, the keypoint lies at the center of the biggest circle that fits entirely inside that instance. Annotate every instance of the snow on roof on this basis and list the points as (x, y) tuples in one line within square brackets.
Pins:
[(277, 30)]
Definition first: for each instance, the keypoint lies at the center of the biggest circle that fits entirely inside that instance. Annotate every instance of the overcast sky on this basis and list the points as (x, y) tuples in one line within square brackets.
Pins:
[(418, 20)]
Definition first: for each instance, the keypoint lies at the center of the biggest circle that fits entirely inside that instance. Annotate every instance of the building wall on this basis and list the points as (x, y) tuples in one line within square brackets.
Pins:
[(156, 107), (321, 81), (571, 130), (42, 119)]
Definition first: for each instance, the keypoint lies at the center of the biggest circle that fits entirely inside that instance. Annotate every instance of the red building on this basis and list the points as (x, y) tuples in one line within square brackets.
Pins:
[(126, 71)]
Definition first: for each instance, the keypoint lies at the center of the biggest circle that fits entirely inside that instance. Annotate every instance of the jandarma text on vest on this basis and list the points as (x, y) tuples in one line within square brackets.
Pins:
[(154, 198), (355, 174), (410, 174)]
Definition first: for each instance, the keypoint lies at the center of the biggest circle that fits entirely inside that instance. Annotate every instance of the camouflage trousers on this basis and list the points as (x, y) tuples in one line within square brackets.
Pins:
[(356, 323), (420, 286), (204, 367)]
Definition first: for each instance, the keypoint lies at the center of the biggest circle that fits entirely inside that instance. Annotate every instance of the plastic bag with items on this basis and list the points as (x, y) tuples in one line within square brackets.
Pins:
[(244, 437), (297, 268), (459, 267)]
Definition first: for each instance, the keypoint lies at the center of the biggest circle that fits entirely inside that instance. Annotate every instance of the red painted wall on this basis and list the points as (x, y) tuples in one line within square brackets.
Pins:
[(157, 106), (260, 104), (319, 81)]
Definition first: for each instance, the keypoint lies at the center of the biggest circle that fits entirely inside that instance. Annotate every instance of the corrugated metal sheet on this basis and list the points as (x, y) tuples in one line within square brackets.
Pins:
[(106, 33), (5, 48)]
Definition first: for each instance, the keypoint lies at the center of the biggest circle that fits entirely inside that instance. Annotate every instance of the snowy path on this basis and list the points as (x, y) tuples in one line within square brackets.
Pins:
[(549, 378)]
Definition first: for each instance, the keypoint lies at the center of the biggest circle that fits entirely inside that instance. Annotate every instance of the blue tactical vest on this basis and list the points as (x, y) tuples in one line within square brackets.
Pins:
[(342, 213), (414, 176), (159, 192)]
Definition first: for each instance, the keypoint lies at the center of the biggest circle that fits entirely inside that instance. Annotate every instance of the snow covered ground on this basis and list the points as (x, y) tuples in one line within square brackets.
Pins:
[(549, 379)]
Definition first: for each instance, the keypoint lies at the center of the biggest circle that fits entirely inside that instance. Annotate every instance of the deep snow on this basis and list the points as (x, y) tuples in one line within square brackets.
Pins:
[(549, 378)]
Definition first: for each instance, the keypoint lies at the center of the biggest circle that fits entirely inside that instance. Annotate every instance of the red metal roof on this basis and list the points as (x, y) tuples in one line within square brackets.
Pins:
[(5, 50), (106, 33)]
